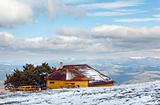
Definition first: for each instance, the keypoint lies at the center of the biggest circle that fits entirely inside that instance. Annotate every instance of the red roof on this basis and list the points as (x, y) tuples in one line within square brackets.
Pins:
[(60, 74)]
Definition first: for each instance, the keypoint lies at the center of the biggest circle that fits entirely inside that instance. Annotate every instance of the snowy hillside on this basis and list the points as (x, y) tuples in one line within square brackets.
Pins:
[(136, 94)]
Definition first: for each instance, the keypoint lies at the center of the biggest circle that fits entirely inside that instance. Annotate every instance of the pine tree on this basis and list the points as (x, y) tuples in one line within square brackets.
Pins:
[(29, 75)]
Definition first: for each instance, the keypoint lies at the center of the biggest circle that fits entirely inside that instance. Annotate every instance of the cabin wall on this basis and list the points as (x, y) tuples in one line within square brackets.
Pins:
[(102, 85), (55, 84)]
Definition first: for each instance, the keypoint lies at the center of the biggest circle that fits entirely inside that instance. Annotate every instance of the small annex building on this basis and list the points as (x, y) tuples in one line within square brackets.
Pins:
[(81, 75)]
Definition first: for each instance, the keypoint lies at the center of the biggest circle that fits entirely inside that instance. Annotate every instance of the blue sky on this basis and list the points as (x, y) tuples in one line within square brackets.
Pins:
[(36, 31)]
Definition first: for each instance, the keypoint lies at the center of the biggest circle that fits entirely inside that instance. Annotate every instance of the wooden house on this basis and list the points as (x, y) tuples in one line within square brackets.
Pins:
[(82, 75)]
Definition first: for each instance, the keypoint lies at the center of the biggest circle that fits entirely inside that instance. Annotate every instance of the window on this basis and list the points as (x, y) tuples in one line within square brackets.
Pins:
[(51, 82)]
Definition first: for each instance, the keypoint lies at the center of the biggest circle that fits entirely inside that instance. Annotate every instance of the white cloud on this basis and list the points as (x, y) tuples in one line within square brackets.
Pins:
[(156, 15), (75, 1), (126, 31), (107, 14), (118, 38), (18, 12), (14, 12), (113, 31), (58, 7), (117, 12), (110, 5), (131, 20), (39, 44)]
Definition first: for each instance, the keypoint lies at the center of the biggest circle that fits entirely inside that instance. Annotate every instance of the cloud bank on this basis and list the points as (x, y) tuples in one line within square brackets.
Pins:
[(99, 40), (118, 37)]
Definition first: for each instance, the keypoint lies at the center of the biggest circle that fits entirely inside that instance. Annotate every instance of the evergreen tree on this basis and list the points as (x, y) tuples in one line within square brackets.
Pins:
[(30, 75)]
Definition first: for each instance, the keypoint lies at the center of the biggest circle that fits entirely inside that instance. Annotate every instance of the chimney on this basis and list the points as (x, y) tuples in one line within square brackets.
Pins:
[(60, 65), (68, 75)]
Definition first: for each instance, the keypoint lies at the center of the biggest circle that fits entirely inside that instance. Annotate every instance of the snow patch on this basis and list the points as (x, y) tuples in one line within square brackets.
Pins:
[(135, 94)]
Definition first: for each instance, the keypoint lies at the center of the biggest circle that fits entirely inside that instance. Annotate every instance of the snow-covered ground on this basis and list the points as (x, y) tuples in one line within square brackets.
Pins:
[(135, 94)]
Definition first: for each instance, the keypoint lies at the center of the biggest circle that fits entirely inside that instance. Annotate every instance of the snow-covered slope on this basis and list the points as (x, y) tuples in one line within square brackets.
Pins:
[(93, 74), (88, 71), (136, 94)]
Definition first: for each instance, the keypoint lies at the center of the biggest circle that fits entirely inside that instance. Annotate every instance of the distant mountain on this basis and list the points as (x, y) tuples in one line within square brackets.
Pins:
[(7, 69), (129, 70), (122, 70)]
